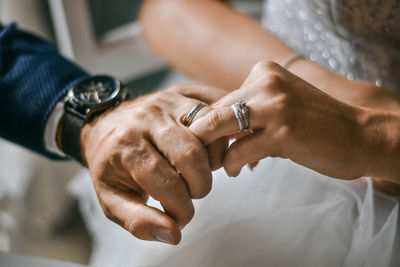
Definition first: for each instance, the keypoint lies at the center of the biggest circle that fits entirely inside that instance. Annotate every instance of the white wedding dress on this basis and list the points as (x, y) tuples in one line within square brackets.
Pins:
[(283, 214)]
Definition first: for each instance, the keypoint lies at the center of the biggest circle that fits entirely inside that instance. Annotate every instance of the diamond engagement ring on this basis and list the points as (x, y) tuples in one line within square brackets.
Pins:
[(242, 115), (187, 121)]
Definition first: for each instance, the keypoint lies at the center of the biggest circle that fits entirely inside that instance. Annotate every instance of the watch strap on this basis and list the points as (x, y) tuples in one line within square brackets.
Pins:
[(71, 127)]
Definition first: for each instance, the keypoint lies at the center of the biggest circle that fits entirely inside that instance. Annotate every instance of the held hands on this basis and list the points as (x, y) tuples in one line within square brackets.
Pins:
[(141, 148)]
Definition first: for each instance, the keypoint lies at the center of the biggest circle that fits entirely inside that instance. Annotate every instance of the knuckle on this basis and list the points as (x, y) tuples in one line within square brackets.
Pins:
[(153, 109), (265, 65), (170, 182), (178, 88), (146, 110), (123, 136), (266, 72), (150, 165), (271, 66), (141, 112), (144, 167), (274, 80), (136, 155), (164, 95), (261, 65), (193, 152), (150, 106)]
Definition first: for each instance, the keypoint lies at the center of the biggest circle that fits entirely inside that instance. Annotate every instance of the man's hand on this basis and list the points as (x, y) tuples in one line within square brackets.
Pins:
[(141, 148)]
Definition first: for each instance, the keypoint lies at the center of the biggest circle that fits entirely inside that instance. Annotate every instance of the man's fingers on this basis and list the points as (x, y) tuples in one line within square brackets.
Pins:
[(245, 150), (187, 154), (160, 180), (129, 210)]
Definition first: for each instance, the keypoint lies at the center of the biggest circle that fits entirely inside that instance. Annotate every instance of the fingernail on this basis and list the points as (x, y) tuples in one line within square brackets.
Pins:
[(164, 235), (229, 173)]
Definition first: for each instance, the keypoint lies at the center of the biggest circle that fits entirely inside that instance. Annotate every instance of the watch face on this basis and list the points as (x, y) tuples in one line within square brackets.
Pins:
[(95, 90)]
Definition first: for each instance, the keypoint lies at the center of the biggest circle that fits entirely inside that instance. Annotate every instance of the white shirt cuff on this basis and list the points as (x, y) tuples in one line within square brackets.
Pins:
[(50, 133)]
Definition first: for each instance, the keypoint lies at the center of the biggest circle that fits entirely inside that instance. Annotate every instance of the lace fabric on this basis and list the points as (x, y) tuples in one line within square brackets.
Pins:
[(358, 39)]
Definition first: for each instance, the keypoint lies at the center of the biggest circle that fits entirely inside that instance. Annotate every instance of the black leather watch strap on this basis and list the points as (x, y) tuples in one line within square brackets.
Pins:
[(71, 127), (86, 99)]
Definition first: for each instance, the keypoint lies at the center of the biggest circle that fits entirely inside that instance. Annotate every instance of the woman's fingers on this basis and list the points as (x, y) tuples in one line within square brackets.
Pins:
[(128, 209), (248, 149), (216, 124)]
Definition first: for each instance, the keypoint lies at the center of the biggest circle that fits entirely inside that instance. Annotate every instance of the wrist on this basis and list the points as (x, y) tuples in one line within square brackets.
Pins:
[(85, 101), (381, 143)]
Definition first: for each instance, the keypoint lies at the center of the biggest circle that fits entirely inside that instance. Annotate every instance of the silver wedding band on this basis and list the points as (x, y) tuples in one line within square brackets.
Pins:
[(187, 121), (242, 115)]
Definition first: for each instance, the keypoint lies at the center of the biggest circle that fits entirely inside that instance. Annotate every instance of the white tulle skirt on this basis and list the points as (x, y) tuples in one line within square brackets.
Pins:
[(280, 214)]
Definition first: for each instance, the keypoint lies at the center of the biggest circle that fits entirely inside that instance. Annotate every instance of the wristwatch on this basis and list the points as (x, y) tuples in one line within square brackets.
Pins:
[(87, 99)]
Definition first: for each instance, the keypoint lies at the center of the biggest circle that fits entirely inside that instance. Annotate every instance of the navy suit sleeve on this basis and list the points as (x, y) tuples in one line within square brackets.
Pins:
[(33, 78)]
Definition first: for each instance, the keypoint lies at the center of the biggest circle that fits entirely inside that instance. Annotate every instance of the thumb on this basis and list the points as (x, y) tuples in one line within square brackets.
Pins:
[(129, 210)]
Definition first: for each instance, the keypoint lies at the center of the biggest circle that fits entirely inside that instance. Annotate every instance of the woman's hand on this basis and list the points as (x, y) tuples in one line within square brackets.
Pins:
[(141, 148), (290, 119)]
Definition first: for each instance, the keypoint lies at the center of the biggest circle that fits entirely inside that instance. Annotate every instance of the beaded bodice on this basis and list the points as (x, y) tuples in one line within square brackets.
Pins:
[(358, 39)]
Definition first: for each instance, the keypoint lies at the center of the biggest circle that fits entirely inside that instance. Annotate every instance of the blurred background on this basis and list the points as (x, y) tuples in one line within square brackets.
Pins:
[(39, 212)]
